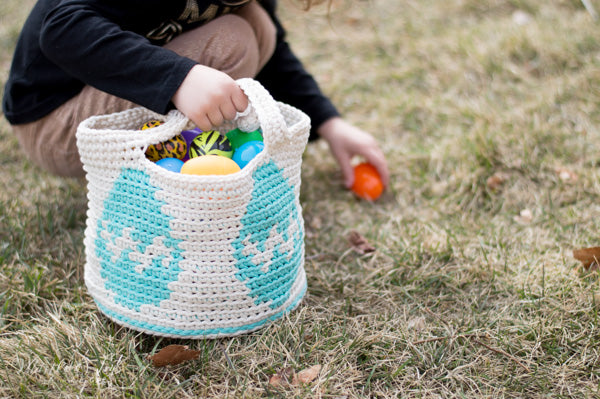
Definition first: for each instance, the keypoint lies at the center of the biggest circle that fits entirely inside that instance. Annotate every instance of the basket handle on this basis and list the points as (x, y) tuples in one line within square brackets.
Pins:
[(262, 112)]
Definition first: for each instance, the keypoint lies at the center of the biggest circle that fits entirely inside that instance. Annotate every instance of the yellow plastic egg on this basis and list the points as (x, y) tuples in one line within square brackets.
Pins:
[(210, 165)]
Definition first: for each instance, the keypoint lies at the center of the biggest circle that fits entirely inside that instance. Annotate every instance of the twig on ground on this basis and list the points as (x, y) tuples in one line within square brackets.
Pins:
[(501, 352), (229, 362)]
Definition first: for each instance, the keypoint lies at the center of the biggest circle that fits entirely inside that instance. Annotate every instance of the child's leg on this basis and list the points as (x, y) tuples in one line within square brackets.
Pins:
[(238, 44), (264, 31)]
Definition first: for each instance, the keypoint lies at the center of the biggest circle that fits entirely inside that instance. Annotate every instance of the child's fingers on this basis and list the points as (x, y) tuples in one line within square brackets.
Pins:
[(215, 117), (203, 122), (239, 100), (347, 169), (377, 159), (383, 171), (348, 173), (228, 110)]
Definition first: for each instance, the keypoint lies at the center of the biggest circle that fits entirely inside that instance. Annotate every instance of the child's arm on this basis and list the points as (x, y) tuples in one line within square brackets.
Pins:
[(88, 41), (288, 81), (346, 141)]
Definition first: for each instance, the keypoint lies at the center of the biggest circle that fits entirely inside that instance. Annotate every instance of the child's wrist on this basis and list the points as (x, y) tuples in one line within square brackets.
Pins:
[(329, 128)]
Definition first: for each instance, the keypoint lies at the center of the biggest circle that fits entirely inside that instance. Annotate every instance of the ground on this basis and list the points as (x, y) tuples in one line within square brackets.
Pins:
[(488, 114)]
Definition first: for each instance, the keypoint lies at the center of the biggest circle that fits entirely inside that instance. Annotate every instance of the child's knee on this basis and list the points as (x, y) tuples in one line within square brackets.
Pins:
[(238, 48), (227, 43), (263, 27)]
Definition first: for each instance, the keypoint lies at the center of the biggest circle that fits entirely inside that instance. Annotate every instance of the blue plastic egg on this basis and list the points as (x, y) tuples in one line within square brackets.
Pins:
[(247, 151), (172, 164)]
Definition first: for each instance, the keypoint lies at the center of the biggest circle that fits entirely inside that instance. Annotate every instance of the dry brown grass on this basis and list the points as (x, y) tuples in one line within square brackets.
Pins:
[(463, 297)]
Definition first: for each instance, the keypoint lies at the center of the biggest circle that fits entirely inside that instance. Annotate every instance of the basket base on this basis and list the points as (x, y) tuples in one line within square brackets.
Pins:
[(163, 331)]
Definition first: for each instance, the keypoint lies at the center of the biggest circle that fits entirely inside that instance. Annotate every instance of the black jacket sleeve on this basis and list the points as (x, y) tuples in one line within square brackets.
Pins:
[(288, 81), (106, 55)]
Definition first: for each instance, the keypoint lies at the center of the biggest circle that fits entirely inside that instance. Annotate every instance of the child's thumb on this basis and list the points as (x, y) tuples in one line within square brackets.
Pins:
[(348, 174), (343, 160)]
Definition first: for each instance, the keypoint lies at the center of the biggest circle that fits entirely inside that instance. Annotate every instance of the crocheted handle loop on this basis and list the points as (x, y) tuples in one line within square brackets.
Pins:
[(262, 112)]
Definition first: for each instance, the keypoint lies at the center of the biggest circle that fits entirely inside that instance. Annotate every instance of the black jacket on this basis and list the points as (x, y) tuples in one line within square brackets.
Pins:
[(111, 45)]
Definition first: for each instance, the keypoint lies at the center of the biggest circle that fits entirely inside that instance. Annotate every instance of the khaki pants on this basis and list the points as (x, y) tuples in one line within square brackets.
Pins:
[(238, 44)]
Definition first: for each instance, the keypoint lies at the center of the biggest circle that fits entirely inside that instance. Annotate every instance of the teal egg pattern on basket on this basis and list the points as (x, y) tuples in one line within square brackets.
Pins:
[(269, 258), (141, 273), (139, 259)]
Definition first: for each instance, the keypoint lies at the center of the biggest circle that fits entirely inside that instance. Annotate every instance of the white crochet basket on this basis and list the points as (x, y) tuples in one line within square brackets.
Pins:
[(194, 256)]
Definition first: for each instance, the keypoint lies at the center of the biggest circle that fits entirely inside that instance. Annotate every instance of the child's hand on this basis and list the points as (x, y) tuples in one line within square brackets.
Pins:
[(346, 141), (208, 97)]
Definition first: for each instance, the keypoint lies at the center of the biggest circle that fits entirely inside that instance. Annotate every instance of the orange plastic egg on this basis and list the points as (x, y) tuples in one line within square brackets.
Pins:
[(209, 165), (367, 182)]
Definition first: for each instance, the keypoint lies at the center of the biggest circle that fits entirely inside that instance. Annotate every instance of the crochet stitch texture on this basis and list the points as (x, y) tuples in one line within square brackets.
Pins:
[(194, 256)]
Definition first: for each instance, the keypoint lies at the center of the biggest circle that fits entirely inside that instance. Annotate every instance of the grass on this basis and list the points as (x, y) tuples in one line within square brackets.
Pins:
[(463, 298)]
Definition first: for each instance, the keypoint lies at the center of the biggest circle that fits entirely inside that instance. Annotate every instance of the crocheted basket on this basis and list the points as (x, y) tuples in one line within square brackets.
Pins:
[(194, 256)]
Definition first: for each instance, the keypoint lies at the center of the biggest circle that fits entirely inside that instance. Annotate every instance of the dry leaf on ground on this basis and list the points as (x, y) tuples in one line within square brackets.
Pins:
[(308, 375), (172, 355), (283, 377), (495, 181), (287, 376), (359, 243), (589, 257)]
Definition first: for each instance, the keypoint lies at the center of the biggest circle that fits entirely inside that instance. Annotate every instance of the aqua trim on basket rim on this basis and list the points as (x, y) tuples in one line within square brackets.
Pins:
[(224, 331), (133, 225), (269, 249)]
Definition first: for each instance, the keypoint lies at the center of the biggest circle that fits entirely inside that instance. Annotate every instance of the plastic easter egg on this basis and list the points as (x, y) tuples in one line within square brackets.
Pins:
[(238, 137), (175, 147), (210, 143), (209, 165), (246, 153), (367, 182), (189, 136), (171, 164), (150, 124)]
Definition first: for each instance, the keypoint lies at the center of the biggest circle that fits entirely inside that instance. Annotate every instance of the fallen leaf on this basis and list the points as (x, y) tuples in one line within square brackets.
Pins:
[(359, 243), (495, 181), (588, 257), (354, 21), (276, 380), (283, 377), (307, 376), (172, 355)]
